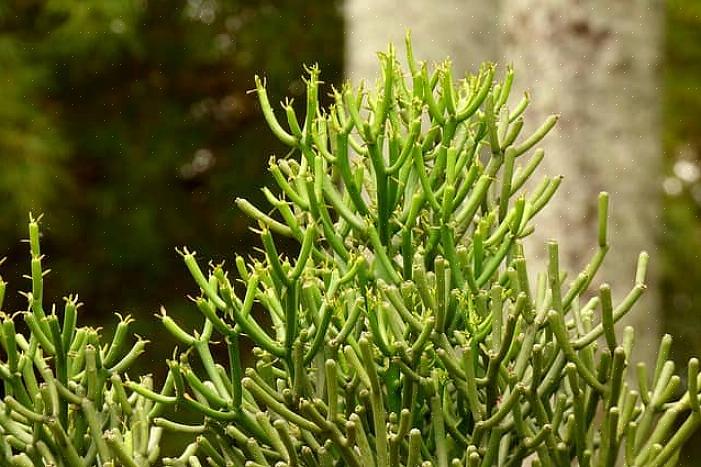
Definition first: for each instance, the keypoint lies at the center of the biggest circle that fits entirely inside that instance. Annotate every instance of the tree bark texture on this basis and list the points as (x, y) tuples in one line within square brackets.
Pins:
[(464, 30), (597, 64)]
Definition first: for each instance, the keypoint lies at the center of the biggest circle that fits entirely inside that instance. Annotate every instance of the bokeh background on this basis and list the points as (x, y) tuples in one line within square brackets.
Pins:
[(128, 123)]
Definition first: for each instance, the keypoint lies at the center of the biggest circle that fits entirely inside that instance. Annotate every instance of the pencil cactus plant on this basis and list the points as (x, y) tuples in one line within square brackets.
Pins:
[(65, 393), (405, 331)]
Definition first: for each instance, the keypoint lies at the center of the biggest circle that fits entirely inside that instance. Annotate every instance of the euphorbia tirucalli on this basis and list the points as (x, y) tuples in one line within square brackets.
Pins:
[(406, 329), (65, 400)]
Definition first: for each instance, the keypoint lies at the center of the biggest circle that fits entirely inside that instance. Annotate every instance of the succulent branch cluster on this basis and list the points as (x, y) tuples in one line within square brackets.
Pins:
[(65, 401), (405, 331)]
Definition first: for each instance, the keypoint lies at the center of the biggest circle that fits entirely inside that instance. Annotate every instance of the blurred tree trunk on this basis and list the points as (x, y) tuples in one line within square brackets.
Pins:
[(597, 64), (464, 30)]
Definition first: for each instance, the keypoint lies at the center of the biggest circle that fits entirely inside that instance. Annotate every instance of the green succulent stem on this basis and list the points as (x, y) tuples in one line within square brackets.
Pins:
[(400, 322)]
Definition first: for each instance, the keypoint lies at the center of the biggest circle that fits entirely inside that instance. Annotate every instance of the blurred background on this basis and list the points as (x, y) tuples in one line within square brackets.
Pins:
[(128, 123)]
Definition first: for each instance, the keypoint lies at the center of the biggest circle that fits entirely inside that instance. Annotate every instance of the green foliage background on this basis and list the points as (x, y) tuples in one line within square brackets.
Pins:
[(682, 141), (129, 123), (681, 236)]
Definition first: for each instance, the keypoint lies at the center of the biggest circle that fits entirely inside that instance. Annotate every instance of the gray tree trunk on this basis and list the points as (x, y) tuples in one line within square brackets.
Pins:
[(597, 64), (464, 30)]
